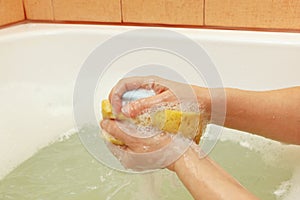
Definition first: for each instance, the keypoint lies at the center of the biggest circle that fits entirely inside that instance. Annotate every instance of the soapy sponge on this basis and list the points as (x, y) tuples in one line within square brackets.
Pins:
[(107, 110), (189, 124)]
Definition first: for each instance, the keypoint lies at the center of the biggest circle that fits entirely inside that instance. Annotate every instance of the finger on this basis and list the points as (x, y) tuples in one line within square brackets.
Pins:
[(135, 108), (111, 127), (115, 99), (134, 83), (125, 156), (121, 87), (135, 144), (116, 150), (116, 130)]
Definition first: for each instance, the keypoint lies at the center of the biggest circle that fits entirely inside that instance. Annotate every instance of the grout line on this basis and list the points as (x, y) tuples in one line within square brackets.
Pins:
[(121, 7), (287, 30), (203, 18), (20, 22), (52, 10), (24, 10)]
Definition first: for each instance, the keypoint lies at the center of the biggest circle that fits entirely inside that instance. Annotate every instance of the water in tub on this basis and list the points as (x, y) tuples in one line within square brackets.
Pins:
[(65, 170)]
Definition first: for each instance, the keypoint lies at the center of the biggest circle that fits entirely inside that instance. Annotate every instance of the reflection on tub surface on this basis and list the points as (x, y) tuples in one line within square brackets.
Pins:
[(64, 170)]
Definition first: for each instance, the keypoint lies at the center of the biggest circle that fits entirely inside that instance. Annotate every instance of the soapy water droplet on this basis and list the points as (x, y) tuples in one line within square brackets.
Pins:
[(102, 179), (91, 187), (110, 173), (146, 148)]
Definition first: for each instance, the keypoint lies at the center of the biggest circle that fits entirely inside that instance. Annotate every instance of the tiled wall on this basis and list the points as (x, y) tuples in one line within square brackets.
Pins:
[(283, 14), (265, 14), (176, 12), (11, 11)]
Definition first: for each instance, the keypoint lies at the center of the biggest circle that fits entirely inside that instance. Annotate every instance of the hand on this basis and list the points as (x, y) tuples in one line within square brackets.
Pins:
[(167, 92), (119, 130), (140, 154), (161, 150)]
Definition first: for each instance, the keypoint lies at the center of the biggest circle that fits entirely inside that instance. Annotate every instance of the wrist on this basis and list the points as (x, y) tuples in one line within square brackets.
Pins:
[(180, 164), (204, 101)]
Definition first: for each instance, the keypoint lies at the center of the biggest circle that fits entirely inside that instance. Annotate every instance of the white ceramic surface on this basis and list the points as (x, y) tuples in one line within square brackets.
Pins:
[(39, 64)]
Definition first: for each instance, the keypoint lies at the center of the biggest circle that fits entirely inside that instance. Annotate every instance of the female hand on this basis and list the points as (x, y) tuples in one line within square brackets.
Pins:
[(167, 92), (158, 151)]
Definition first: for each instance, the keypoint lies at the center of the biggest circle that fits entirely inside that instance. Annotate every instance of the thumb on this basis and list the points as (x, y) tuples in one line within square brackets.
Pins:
[(134, 108)]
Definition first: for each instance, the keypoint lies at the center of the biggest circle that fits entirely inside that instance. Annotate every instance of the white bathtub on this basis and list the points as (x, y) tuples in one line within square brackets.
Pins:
[(39, 64)]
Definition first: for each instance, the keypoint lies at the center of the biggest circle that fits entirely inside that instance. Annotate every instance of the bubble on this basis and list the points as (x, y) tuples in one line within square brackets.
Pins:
[(151, 121), (146, 148), (283, 189)]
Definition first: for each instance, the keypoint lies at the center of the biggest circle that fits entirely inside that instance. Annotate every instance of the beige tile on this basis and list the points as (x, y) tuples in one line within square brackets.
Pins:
[(87, 10), (253, 13), (11, 11), (186, 12), (38, 9)]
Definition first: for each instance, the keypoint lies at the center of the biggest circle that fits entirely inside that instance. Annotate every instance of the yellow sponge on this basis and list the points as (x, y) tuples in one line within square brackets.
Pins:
[(107, 110), (108, 114), (111, 139), (189, 124)]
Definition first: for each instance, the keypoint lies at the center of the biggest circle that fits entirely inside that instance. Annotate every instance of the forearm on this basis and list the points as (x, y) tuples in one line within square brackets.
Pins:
[(205, 180), (273, 114)]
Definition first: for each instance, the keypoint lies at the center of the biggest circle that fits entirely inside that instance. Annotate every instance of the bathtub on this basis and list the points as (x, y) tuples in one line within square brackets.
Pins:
[(39, 64)]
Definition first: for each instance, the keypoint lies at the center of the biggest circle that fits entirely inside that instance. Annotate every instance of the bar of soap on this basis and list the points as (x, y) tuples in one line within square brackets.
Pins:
[(189, 124)]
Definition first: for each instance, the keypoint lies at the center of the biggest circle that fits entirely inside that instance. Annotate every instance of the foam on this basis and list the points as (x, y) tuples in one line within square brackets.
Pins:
[(142, 126), (294, 190), (66, 135), (283, 189)]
